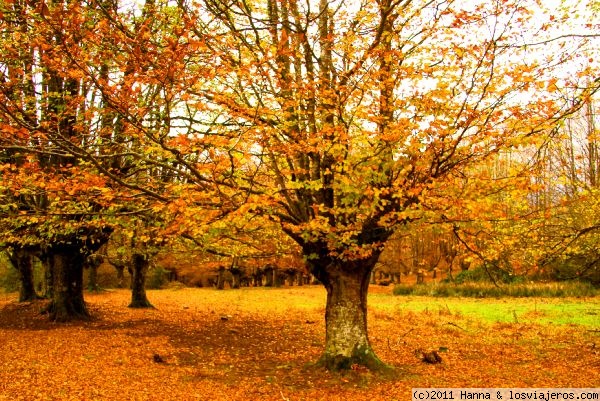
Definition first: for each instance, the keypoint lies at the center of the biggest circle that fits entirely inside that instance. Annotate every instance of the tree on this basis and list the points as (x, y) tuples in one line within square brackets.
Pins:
[(22, 260), (53, 205), (356, 111), (569, 192)]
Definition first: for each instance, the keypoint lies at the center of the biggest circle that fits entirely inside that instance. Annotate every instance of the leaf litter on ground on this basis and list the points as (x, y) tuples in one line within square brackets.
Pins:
[(264, 349)]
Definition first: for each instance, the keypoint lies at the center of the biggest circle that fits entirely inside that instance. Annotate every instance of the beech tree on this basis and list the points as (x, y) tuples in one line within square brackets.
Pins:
[(54, 205), (92, 108), (358, 110)]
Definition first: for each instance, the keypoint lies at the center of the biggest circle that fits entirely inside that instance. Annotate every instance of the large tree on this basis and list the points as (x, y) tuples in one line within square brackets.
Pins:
[(356, 111), (54, 205)]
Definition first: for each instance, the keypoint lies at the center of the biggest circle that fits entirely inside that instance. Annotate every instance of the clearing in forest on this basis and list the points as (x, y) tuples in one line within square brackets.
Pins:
[(257, 343)]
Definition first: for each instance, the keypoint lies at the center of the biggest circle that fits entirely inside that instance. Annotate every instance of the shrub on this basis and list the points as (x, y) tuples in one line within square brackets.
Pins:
[(481, 274), (585, 267), (488, 290)]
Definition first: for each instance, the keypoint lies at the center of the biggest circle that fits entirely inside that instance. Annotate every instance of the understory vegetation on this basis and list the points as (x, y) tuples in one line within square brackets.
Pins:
[(489, 290), (482, 283)]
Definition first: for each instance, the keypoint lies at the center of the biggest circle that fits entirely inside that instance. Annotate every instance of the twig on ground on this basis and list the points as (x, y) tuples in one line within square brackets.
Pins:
[(456, 325), (405, 334), (399, 338)]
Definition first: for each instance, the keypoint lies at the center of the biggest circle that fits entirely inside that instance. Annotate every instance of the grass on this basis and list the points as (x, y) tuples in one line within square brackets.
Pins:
[(543, 303), (584, 312), (555, 311)]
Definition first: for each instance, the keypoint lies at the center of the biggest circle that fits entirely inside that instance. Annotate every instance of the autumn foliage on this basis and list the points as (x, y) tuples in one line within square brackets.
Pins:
[(275, 131)]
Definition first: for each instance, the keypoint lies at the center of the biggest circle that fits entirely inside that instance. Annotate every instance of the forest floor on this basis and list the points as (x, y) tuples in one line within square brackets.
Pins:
[(258, 344)]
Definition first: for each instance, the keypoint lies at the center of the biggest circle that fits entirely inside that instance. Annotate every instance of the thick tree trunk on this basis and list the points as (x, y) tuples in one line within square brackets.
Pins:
[(236, 278), (22, 261), (346, 338), (27, 288), (138, 282), (277, 278), (291, 278), (66, 263)]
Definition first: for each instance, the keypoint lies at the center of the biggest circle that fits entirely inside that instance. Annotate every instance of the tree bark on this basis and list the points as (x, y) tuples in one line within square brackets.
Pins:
[(277, 278), (257, 278), (120, 275), (22, 261), (291, 278), (221, 279), (268, 271), (138, 282), (236, 283), (93, 262), (66, 263), (300, 278), (346, 340)]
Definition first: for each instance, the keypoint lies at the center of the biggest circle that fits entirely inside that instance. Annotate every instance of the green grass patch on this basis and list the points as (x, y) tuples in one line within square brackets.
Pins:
[(489, 290), (546, 311)]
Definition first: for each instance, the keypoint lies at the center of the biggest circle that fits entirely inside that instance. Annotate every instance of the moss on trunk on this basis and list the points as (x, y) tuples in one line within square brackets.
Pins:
[(347, 341), (346, 337)]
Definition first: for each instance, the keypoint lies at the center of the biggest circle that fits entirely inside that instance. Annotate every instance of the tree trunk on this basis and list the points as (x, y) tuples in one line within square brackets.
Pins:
[(291, 278), (221, 279), (66, 264), (236, 278), (346, 341), (138, 282), (258, 279), (48, 285), (269, 276), (277, 278), (120, 276), (93, 262), (22, 261), (420, 276)]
